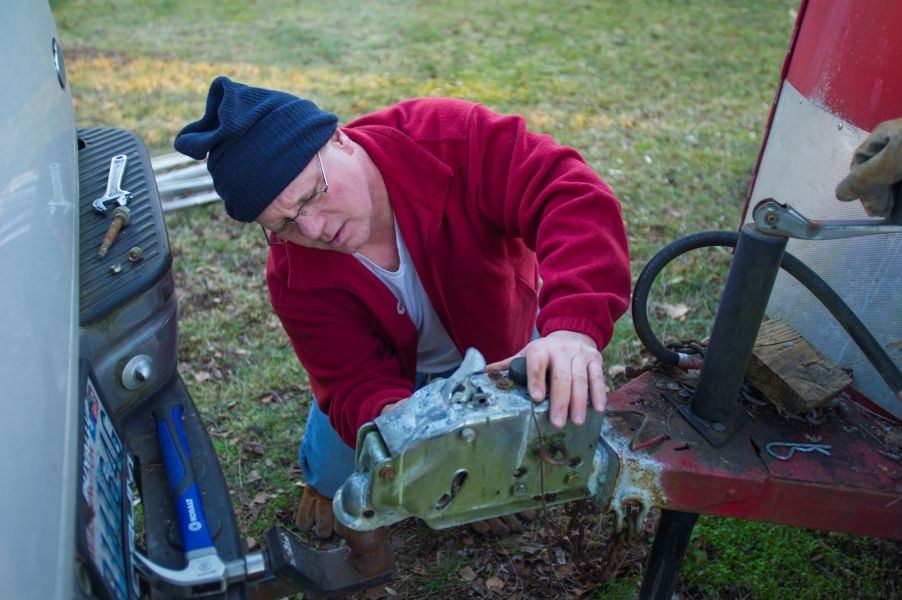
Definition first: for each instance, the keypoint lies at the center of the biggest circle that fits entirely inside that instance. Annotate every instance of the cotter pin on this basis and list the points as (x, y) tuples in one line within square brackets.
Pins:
[(794, 447)]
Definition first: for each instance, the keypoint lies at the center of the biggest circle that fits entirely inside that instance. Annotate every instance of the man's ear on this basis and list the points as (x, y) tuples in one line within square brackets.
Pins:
[(342, 142)]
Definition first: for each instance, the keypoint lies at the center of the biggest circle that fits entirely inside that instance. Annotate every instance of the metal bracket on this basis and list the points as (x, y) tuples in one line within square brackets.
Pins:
[(774, 218), (718, 433)]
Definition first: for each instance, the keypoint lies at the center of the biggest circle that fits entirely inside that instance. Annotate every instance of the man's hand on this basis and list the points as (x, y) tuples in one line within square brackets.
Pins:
[(577, 374), (876, 167), (390, 407)]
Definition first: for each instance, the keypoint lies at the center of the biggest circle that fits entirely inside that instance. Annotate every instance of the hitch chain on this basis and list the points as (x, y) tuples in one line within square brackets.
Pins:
[(535, 422), (623, 541)]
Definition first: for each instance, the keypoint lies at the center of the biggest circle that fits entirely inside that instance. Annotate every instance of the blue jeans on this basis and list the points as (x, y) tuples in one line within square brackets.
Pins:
[(325, 460)]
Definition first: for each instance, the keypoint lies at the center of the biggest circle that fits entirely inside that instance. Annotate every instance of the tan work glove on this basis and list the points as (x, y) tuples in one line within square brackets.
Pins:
[(876, 167), (370, 552), (315, 511), (504, 524)]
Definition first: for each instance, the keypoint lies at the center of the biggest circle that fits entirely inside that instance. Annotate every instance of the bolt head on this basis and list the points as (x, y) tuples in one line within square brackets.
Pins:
[(467, 435), (124, 213), (519, 489), (387, 472), (572, 478)]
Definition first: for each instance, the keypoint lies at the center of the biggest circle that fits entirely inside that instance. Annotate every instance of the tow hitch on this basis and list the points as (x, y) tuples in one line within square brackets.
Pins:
[(286, 567)]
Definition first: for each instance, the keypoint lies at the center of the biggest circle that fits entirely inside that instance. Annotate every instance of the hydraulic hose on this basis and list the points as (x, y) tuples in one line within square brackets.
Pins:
[(844, 315)]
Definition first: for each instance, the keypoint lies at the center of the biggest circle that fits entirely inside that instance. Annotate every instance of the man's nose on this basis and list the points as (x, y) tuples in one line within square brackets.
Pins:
[(310, 226)]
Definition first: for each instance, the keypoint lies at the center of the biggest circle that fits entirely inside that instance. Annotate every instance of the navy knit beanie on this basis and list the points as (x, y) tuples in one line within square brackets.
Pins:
[(256, 141)]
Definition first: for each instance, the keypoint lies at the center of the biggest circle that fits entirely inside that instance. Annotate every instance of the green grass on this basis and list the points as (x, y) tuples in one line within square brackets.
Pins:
[(729, 558), (667, 100)]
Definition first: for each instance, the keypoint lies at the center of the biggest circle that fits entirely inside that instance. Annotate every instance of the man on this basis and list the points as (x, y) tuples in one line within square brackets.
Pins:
[(407, 236)]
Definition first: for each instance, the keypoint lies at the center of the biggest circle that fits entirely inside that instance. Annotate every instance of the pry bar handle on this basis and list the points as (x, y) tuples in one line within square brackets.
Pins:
[(176, 455)]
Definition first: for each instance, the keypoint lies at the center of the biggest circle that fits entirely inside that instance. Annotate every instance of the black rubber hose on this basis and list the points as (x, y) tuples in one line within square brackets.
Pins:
[(792, 265)]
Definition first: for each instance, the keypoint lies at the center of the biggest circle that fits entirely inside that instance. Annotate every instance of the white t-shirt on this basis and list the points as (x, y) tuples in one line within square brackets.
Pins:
[(436, 353)]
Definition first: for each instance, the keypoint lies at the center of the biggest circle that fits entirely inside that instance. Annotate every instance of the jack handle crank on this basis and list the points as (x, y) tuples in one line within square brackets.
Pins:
[(205, 573), (783, 220)]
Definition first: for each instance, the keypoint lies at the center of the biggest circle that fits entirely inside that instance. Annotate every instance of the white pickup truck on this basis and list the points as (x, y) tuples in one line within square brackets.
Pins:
[(88, 369), (89, 344)]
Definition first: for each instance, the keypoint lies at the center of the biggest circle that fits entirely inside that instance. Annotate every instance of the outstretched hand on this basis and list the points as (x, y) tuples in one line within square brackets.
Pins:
[(577, 374), (876, 168)]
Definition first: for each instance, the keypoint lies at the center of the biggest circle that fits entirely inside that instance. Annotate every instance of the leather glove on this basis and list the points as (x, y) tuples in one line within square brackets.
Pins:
[(370, 551), (504, 524), (315, 511), (876, 167)]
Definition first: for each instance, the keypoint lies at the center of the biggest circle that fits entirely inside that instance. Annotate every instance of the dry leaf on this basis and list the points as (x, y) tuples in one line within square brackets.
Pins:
[(676, 311), (251, 543), (201, 376), (255, 447), (270, 398), (467, 574), (564, 570), (261, 498), (253, 476), (494, 584), (528, 548), (616, 370)]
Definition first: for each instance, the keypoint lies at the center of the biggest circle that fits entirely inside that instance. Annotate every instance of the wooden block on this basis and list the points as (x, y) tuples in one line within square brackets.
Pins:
[(790, 372)]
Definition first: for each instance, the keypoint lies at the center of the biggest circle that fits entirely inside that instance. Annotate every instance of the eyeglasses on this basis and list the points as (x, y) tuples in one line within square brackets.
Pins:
[(301, 211)]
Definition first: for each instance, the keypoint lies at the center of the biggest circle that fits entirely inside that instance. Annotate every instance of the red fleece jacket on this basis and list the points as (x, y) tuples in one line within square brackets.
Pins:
[(478, 199)]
